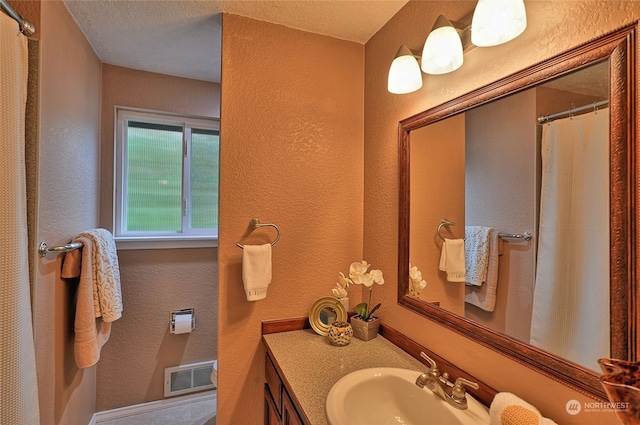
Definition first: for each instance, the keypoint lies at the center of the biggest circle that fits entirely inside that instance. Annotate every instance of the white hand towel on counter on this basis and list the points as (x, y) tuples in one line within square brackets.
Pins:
[(256, 270), (485, 296), (452, 259), (476, 254), (509, 409)]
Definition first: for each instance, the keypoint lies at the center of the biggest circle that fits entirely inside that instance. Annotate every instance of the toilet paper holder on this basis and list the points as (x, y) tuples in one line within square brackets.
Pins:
[(174, 313)]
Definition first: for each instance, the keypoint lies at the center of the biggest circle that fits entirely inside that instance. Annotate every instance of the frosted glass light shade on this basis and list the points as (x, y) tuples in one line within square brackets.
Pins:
[(497, 21), (404, 73), (442, 51)]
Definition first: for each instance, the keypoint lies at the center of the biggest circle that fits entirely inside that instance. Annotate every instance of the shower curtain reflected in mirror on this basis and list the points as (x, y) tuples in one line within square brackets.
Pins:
[(571, 295)]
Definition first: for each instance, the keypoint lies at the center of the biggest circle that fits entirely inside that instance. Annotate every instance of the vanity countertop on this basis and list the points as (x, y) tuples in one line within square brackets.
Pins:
[(311, 364)]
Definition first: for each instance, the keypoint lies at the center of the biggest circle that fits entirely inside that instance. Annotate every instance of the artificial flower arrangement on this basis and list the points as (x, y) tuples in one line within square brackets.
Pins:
[(416, 283), (340, 291), (359, 275)]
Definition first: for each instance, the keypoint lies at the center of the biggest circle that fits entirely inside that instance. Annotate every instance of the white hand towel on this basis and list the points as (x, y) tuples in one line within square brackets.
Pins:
[(476, 254), (256, 270), (485, 296), (509, 409), (452, 259)]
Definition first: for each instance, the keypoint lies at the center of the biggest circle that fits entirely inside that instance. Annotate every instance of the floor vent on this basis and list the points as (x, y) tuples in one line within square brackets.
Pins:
[(189, 378)]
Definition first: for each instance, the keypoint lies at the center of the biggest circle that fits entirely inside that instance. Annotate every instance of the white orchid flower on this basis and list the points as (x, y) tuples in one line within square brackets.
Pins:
[(339, 291), (357, 271), (415, 274), (376, 276), (366, 280), (358, 275), (343, 281), (417, 284)]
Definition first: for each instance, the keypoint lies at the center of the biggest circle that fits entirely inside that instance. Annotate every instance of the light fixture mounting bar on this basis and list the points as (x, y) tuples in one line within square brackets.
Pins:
[(463, 27)]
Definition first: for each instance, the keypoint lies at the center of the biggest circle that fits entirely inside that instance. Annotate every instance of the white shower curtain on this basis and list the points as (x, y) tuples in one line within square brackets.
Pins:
[(18, 393), (571, 296)]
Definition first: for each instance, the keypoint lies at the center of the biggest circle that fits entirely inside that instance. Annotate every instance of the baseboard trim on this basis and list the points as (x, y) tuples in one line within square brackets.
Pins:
[(135, 409)]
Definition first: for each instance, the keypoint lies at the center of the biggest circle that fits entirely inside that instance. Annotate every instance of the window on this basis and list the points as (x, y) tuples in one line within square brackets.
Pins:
[(166, 189)]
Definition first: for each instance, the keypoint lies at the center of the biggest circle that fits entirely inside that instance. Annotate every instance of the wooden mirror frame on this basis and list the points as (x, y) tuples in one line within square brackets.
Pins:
[(619, 48)]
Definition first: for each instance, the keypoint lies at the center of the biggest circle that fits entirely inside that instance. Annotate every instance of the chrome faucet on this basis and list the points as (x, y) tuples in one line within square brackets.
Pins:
[(439, 384)]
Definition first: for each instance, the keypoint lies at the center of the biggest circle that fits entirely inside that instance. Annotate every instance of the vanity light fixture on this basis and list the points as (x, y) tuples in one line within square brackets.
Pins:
[(404, 73), (493, 22), (497, 21), (442, 51)]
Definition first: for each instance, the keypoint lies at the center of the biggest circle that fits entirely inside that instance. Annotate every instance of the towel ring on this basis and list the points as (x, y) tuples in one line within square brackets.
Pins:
[(255, 223), (444, 222)]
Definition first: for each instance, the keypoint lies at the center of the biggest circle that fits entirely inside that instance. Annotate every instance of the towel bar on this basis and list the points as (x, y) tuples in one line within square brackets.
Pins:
[(255, 223), (526, 235), (43, 249)]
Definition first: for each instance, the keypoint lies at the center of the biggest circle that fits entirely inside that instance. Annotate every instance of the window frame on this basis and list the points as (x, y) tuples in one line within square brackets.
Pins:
[(186, 237)]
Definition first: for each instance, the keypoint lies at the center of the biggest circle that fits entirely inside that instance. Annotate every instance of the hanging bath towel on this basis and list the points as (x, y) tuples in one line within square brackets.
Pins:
[(485, 296), (99, 299), (476, 254)]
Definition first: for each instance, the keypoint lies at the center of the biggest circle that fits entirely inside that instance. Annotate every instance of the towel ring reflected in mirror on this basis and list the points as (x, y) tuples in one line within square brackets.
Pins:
[(324, 312), (444, 222)]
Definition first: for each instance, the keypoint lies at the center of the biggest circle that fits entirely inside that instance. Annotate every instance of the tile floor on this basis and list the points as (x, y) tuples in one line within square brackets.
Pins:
[(195, 413)]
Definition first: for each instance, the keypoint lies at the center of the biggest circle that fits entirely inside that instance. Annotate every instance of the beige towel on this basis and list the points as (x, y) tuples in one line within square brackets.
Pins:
[(485, 296), (509, 409), (256, 270), (476, 254), (99, 300), (452, 259)]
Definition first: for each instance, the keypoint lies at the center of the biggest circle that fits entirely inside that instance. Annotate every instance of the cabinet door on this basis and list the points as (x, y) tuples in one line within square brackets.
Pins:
[(271, 416), (289, 414), (274, 383)]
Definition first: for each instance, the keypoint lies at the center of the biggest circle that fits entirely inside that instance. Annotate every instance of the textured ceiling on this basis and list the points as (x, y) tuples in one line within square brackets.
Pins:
[(183, 37)]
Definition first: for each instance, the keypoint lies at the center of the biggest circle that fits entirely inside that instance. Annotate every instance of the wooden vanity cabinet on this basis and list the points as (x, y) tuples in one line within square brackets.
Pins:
[(279, 409)]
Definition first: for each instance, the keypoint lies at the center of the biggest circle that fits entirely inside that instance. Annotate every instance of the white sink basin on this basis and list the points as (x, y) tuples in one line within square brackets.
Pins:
[(384, 396)]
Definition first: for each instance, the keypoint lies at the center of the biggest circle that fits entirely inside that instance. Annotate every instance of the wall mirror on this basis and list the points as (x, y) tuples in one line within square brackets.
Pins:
[(483, 161)]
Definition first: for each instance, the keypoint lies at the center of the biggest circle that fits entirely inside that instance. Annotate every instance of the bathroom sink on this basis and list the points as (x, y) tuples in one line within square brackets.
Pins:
[(390, 396)]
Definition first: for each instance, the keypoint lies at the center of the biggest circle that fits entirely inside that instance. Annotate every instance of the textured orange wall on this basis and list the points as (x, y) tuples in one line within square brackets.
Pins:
[(154, 282), (437, 168), (291, 154), (68, 204), (553, 27)]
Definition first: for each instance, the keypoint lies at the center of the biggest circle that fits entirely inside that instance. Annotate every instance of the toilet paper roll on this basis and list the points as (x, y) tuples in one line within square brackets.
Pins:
[(183, 323)]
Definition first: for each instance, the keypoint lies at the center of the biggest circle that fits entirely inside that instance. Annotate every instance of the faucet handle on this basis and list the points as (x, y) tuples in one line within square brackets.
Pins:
[(458, 392), (432, 363)]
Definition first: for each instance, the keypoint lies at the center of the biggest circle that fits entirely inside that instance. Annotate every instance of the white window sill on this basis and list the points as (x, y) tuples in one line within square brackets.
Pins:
[(163, 242)]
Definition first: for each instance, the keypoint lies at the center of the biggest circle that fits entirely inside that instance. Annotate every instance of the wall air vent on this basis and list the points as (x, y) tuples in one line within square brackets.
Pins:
[(189, 378)]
